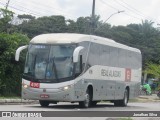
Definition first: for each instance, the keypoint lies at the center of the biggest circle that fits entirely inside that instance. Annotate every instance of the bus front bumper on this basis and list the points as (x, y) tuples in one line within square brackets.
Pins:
[(48, 94)]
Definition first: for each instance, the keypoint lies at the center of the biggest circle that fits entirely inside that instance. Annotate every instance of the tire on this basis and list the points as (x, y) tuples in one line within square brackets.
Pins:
[(94, 103), (44, 103), (87, 102), (124, 101)]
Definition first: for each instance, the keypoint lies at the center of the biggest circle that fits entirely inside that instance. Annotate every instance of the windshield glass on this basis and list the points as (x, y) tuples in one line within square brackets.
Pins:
[(49, 63)]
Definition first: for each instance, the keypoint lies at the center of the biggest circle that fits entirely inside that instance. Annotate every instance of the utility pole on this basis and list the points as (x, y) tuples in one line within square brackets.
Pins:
[(7, 4), (93, 17)]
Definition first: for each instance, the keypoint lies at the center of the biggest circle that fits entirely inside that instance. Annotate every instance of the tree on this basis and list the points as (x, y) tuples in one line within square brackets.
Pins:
[(26, 17), (83, 25), (10, 72), (153, 69), (103, 29), (72, 26), (5, 18), (52, 24)]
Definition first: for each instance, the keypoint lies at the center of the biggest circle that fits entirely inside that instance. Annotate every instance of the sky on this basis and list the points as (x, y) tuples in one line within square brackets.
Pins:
[(134, 10)]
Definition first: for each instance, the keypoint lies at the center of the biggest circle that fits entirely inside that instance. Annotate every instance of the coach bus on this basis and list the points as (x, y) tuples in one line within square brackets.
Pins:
[(67, 67)]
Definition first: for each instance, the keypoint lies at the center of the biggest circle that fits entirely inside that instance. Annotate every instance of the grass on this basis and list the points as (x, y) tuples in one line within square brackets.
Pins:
[(133, 100), (9, 97)]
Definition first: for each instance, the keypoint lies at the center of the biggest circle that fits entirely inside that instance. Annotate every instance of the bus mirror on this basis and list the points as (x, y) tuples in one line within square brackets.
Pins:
[(76, 53), (18, 51)]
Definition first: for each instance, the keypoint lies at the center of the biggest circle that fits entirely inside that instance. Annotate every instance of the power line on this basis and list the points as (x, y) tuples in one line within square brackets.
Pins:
[(109, 5), (118, 10), (35, 13), (132, 16), (133, 10), (46, 6), (29, 9), (128, 8), (20, 9), (136, 10)]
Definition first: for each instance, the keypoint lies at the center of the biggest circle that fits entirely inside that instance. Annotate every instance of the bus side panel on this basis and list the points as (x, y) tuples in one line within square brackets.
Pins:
[(134, 90), (102, 89), (119, 90)]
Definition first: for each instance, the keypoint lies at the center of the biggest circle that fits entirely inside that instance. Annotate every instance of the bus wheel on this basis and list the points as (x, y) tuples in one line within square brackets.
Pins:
[(124, 101), (44, 103), (86, 103), (94, 103)]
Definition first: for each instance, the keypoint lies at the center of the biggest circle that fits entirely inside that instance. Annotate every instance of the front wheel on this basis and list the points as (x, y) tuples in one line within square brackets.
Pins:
[(124, 101), (87, 101), (44, 103), (94, 103)]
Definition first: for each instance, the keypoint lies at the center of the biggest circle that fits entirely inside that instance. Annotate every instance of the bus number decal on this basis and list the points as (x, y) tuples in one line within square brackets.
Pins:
[(128, 75), (34, 84)]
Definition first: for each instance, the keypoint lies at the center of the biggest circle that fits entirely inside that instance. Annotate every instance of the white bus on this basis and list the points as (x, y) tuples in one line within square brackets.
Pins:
[(66, 67)]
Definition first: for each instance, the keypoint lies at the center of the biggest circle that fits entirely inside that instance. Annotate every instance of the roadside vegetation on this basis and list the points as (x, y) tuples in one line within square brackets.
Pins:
[(15, 32)]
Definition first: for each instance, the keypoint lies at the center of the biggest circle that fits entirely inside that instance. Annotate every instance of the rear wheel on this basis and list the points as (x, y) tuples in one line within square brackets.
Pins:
[(124, 101), (87, 102), (44, 103)]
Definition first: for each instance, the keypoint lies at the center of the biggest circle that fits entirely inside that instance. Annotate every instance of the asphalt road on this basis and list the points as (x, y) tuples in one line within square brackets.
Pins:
[(109, 108), (134, 106)]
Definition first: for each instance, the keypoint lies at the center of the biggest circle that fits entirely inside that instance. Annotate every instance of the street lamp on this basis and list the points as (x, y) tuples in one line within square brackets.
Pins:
[(113, 14), (109, 17)]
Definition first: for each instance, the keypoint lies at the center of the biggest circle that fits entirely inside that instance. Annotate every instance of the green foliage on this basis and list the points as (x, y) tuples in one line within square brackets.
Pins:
[(24, 16), (52, 24), (153, 69), (10, 71), (72, 26), (83, 25), (6, 17)]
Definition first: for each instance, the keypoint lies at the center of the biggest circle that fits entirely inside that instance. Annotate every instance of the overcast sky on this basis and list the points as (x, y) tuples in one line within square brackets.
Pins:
[(135, 10)]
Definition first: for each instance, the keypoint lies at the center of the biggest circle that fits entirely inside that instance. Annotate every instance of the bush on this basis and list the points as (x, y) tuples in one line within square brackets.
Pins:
[(10, 70)]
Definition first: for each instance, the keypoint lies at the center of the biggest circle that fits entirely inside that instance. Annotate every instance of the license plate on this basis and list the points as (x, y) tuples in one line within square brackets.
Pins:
[(44, 96), (34, 84)]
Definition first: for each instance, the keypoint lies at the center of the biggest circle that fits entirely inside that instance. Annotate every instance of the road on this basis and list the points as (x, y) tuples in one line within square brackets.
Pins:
[(61, 108), (148, 106)]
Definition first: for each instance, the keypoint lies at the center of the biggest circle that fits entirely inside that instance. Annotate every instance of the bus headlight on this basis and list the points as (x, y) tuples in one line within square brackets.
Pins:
[(25, 86), (66, 87)]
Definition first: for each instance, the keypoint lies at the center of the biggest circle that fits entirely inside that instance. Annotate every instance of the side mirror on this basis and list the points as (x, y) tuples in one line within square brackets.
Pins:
[(18, 51), (76, 53)]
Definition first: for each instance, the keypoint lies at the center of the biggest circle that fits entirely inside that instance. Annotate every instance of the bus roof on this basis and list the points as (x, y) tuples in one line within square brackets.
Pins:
[(66, 38)]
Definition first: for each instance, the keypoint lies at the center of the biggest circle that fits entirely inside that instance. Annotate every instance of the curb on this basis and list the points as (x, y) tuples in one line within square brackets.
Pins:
[(152, 98), (3, 101)]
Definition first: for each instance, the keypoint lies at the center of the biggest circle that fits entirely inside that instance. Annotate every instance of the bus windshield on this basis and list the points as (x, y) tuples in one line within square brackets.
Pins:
[(49, 63)]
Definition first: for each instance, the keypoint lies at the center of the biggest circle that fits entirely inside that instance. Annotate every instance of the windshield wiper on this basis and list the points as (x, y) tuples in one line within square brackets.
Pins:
[(55, 69), (34, 64)]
